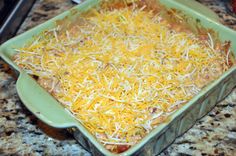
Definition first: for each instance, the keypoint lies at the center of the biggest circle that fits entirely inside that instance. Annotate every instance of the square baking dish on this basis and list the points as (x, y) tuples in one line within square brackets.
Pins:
[(47, 109)]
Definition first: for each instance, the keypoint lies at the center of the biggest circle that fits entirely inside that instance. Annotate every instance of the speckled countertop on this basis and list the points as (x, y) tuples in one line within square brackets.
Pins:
[(22, 134)]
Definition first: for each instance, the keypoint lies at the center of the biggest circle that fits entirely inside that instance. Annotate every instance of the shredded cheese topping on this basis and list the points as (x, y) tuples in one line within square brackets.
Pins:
[(122, 72)]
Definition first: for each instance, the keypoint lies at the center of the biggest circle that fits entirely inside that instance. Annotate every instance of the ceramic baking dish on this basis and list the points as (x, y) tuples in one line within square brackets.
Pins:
[(47, 109)]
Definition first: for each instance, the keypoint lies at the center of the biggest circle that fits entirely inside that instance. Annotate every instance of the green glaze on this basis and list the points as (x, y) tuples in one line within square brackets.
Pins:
[(47, 109)]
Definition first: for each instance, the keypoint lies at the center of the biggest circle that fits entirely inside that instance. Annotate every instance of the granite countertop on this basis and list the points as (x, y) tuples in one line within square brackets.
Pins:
[(21, 133)]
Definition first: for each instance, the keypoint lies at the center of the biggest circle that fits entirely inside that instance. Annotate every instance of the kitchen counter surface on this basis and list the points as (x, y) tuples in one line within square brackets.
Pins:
[(22, 134)]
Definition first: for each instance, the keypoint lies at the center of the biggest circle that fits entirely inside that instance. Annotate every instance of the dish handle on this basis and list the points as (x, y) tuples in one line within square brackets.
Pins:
[(42, 104)]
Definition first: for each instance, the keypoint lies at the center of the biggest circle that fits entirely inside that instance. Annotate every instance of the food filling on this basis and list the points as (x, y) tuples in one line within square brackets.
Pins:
[(122, 71)]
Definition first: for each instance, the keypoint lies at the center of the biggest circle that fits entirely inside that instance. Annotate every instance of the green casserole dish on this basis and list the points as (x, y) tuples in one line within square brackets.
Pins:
[(47, 109)]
